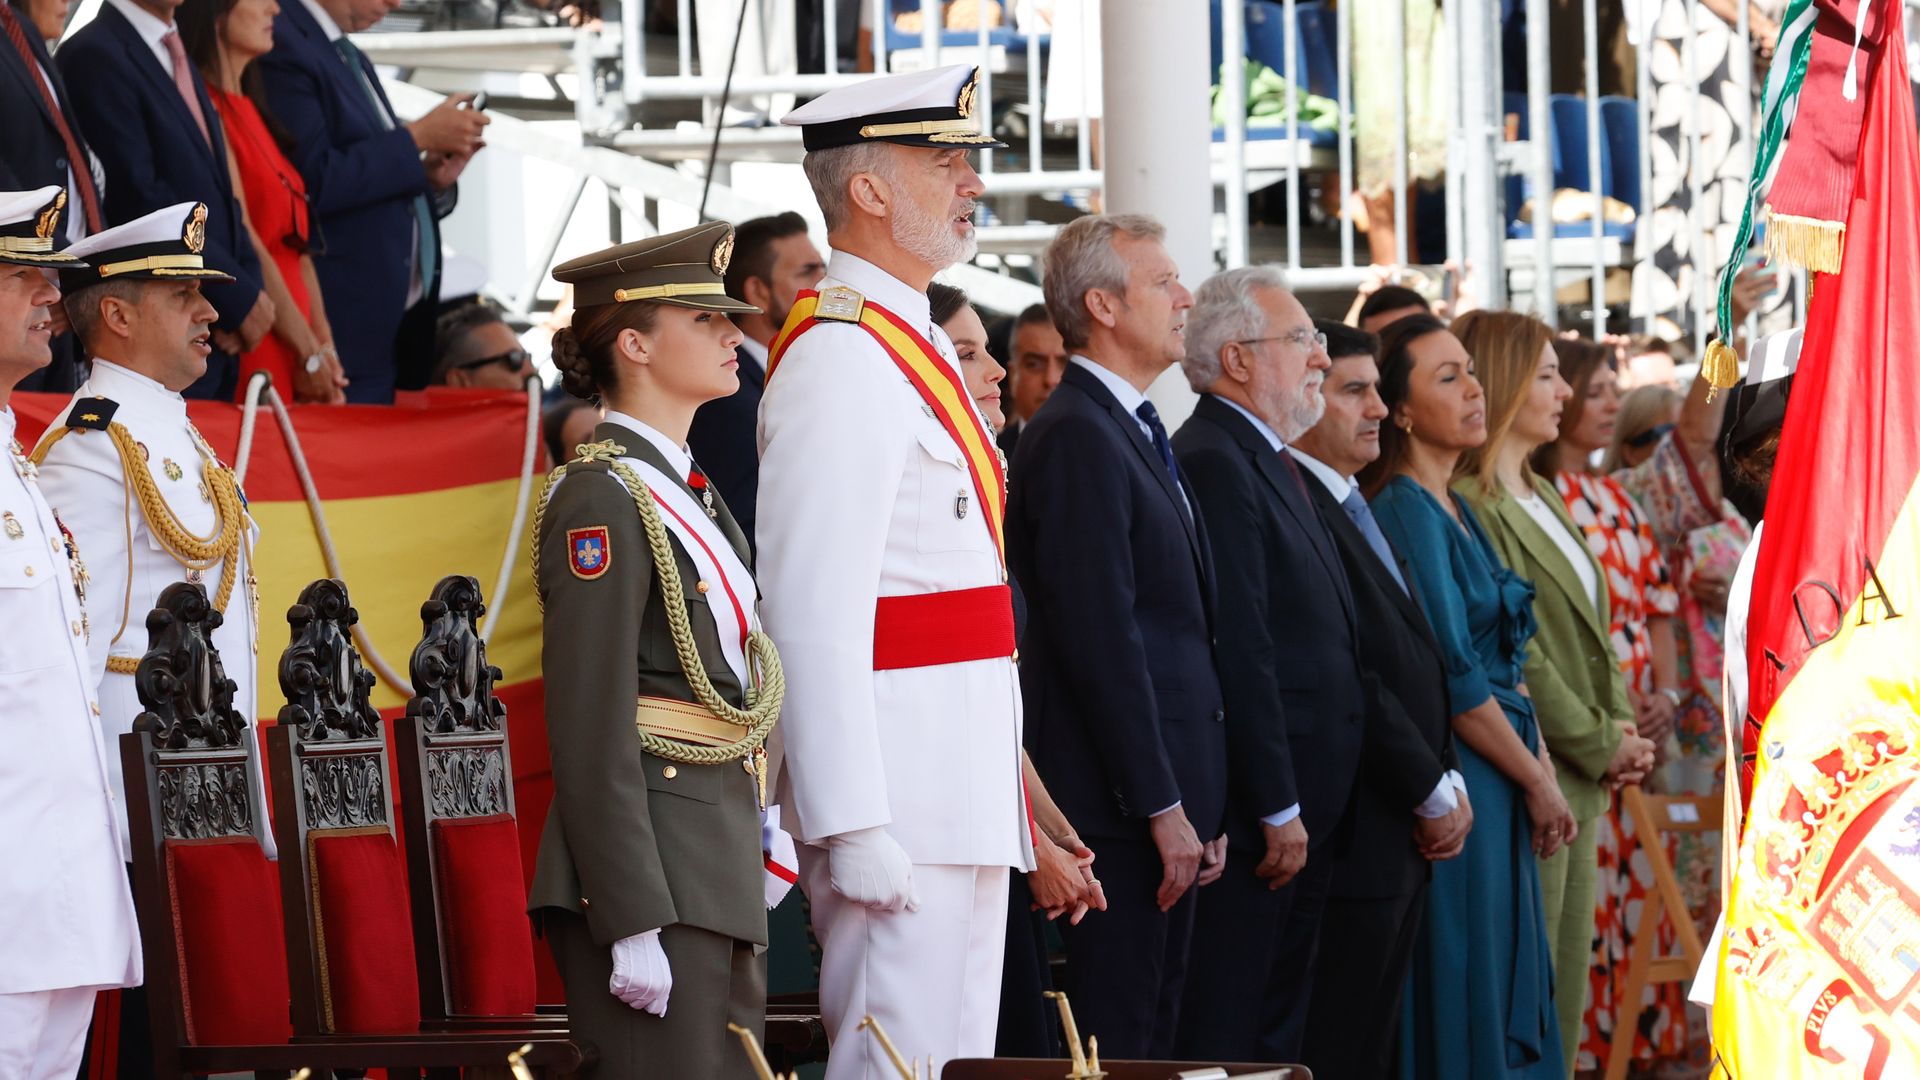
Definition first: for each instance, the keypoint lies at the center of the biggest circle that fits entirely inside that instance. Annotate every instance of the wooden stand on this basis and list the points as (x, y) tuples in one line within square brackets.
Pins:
[(1653, 817)]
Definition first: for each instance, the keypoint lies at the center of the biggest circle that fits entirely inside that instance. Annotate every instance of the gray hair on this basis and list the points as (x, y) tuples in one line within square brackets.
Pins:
[(831, 170), (1080, 259), (1226, 308), (83, 305)]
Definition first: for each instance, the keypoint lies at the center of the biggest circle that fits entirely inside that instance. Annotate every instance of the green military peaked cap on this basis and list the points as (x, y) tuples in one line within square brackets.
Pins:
[(686, 268)]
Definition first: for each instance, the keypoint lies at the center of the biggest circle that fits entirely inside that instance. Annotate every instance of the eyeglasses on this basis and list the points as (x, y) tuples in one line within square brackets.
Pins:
[(513, 360), (1302, 338), (1650, 436)]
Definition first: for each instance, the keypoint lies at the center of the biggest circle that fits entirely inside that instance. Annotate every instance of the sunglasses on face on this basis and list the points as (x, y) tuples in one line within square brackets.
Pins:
[(512, 360), (1650, 436)]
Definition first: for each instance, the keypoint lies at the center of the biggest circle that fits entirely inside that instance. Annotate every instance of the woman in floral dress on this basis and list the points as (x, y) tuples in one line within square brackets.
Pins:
[(1642, 604)]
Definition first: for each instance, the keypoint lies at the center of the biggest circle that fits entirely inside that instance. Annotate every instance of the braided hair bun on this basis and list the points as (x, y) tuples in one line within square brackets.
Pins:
[(576, 371)]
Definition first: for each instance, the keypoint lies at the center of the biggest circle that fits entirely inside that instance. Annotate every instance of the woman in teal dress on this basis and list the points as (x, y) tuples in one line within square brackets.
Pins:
[(1480, 997)]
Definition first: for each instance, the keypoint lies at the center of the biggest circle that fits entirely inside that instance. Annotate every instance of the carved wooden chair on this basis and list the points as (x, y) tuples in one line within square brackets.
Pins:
[(210, 916), (474, 944), (348, 921)]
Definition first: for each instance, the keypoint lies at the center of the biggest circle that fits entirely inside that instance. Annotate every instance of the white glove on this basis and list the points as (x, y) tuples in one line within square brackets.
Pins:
[(870, 868), (782, 863), (641, 977)]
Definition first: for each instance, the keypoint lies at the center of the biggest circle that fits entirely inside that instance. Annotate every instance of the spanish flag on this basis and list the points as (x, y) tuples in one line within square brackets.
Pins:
[(1821, 954), (408, 494)]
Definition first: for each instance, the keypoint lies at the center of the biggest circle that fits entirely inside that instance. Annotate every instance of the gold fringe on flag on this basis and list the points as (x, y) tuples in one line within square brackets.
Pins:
[(1810, 243)]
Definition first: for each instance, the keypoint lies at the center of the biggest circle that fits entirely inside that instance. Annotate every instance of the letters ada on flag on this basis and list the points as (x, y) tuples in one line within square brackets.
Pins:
[(1820, 960)]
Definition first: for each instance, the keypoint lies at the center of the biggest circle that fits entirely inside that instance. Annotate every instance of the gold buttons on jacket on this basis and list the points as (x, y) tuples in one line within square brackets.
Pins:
[(669, 772), (29, 571), (701, 587)]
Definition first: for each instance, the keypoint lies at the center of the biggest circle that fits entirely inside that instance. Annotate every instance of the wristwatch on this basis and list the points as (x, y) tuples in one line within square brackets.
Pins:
[(314, 363)]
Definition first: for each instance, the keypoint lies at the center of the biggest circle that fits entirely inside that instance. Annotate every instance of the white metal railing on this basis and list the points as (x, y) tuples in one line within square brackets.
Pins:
[(1478, 156)]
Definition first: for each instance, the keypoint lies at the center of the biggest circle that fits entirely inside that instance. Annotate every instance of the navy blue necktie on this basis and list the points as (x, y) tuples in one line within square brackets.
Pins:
[(1150, 416), (1362, 515)]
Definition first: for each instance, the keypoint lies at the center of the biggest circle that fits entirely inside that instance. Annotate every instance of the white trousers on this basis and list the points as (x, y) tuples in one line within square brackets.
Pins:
[(42, 1033), (931, 977)]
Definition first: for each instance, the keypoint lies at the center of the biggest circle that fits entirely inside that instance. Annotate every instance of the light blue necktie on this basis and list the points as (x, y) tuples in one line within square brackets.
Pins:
[(1362, 515), (422, 208)]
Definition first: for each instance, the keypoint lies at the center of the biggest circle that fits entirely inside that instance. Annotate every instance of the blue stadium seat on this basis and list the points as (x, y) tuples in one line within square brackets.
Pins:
[(1620, 126), (999, 35)]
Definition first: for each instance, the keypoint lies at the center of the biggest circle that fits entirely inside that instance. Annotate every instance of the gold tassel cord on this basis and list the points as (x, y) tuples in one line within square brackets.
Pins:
[(1811, 243), (763, 701), (1720, 367)]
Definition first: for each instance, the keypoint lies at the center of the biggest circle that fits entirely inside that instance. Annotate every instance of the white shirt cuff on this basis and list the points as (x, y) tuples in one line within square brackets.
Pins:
[(1168, 810), (1281, 818), (1458, 780), (1441, 802)]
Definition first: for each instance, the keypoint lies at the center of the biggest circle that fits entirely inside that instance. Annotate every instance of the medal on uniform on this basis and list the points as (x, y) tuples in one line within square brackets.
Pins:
[(960, 505), (12, 524), (22, 464), (697, 480), (172, 468)]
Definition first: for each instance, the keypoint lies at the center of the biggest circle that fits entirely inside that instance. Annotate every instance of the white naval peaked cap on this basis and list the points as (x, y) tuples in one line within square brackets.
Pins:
[(163, 245), (29, 224), (919, 108)]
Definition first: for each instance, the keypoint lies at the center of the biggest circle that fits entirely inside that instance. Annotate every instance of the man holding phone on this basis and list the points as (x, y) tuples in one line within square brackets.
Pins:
[(379, 188)]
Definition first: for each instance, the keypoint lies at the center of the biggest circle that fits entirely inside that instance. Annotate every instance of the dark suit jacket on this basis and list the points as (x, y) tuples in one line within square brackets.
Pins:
[(1288, 646), (1409, 741), (1123, 707), (362, 178), (154, 157), (725, 444), (34, 156), (629, 845)]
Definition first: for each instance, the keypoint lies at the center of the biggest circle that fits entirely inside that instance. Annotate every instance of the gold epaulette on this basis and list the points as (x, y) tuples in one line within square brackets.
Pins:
[(838, 303)]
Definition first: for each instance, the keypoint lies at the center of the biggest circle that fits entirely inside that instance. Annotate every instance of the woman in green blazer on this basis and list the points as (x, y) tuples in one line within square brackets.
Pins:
[(1571, 672)]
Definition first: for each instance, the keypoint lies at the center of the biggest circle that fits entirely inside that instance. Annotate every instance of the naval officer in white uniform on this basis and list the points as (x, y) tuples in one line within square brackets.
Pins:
[(884, 580), (149, 501), (67, 926)]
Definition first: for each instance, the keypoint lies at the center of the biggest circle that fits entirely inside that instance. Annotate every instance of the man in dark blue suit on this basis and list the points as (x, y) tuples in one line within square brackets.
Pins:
[(159, 140), (379, 189), (773, 262), (45, 146), (1410, 804), (1123, 707), (1288, 653)]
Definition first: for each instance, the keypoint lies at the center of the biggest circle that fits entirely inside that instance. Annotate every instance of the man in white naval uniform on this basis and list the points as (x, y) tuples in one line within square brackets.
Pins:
[(67, 927), (884, 584), (165, 510)]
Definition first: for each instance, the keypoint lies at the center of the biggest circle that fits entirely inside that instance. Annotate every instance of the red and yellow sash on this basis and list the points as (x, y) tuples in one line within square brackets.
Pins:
[(938, 384)]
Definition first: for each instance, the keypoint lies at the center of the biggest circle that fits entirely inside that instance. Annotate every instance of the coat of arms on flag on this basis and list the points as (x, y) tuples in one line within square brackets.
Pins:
[(588, 552)]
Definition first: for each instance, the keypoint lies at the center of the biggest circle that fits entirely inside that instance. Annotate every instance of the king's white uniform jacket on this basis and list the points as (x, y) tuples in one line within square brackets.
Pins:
[(863, 494), (66, 917), (82, 478)]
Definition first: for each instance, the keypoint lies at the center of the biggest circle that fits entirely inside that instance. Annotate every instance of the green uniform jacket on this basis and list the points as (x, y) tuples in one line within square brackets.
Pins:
[(1572, 671), (634, 842)]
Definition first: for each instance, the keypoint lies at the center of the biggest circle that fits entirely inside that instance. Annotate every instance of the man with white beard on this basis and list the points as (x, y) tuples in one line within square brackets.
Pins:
[(884, 583), (1287, 646)]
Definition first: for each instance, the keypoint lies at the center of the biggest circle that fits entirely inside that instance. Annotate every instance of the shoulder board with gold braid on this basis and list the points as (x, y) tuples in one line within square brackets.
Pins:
[(836, 303), (87, 414)]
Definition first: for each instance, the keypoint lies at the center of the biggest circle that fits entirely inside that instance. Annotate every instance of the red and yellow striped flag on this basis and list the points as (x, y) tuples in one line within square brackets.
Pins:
[(1820, 963), (410, 493)]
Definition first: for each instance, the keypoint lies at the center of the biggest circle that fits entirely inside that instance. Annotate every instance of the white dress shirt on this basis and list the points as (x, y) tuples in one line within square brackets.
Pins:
[(1442, 802), (1574, 548), (150, 28)]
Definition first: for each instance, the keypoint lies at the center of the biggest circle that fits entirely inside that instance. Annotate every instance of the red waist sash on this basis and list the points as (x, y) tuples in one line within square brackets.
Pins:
[(926, 629)]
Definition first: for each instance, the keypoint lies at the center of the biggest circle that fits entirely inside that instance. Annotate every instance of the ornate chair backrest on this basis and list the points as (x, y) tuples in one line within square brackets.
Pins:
[(209, 911), (475, 945), (348, 932)]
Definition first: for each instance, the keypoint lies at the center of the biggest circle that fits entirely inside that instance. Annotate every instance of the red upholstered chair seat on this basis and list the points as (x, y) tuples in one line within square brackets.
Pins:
[(226, 908), (483, 913), (363, 932)]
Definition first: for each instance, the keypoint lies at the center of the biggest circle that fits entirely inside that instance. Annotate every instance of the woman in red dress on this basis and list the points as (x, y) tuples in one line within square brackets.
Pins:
[(224, 38)]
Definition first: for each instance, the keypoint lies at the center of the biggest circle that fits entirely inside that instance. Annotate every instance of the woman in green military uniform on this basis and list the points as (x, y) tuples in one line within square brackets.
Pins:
[(661, 690)]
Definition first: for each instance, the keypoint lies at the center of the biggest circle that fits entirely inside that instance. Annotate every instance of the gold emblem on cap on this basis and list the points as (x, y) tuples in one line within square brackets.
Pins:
[(50, 217), (723, 253), (196, 236), (967, 93)]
